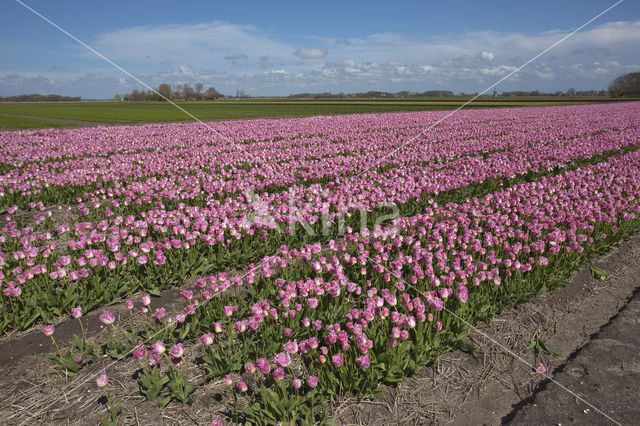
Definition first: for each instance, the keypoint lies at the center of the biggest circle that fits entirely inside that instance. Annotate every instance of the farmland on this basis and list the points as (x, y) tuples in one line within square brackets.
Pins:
[(13, 122), (107, 112), (314, 258)]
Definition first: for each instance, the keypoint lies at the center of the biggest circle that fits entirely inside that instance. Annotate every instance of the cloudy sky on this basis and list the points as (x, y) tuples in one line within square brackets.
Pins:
[(284, 47)]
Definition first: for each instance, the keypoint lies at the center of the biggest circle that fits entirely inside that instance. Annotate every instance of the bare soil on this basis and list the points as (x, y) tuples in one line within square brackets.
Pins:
[(604, 376)]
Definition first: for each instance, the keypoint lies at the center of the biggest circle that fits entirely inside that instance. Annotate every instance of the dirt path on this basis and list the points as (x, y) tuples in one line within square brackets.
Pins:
[(605, 373)]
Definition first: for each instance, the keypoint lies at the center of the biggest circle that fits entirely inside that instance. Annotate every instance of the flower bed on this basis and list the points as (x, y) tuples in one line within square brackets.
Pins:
[(343, 277)]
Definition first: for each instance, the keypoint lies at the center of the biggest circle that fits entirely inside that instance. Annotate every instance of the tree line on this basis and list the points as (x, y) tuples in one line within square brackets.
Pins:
[(444, 94), (164, 91), (626, 85), (375, 94), (39, 98)]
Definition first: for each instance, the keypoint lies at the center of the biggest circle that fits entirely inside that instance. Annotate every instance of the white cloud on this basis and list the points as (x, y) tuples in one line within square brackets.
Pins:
[(310, 53), (229, 56), (487, 56), (201, 45)]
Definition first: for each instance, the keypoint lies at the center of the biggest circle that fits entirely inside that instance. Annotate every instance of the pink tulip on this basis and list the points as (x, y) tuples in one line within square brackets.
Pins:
[(291, 346), (278, 374), (242, 387), (207, 339), (312, 381), (159, 347), (76, 312), (337, 360), (146, 300), (282, 359), (540, 368), (102, 380), (263, 365), (176, 351), (364, 361), (140, 352), (107, 318)]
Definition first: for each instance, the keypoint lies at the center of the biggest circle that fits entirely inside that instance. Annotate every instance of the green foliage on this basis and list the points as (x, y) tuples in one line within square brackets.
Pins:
[(152, 383), (12, 122), (117, 349), (220, 362), (598, 273), (540, 348), (85, 349), (280, 405), (66, 362), (114, 410), (178, 386)]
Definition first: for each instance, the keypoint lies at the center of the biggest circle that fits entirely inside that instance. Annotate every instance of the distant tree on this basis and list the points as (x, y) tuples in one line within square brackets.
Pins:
[(187, 92), (301, 95), (117, 98), (133, 96), (152, 95), (177, 92), (165, 91), (626, 85), (38, 98), (199, 88)]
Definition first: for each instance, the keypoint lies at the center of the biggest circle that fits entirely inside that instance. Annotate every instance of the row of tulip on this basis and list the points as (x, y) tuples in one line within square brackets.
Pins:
[(51, 265), (209, 169), (106, 262), (339, 318)]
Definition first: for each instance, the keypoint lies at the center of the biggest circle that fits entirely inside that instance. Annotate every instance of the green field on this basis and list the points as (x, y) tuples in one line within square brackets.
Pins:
[(38, 114), (7, 122)]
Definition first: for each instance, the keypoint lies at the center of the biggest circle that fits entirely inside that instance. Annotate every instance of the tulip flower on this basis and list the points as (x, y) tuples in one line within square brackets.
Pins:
[(207, 339), (102, 380), (76, 313), (107, 318), (158, 347), (312, 381)]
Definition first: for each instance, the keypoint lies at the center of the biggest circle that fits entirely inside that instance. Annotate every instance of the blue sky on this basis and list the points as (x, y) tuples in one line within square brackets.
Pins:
[(278, 48)]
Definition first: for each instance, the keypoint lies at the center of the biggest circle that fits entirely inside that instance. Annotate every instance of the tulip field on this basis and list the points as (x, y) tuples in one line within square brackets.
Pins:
[(316, 258)]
